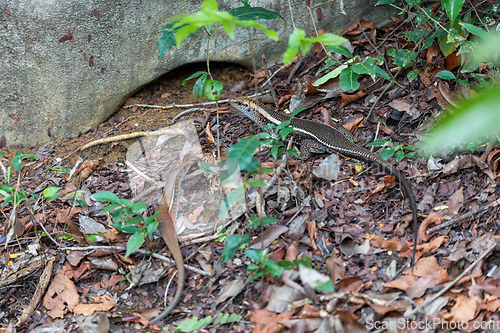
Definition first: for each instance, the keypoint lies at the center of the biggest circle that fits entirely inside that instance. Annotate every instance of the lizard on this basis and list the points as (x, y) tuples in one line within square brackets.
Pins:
[(316, 136), (166, 217)]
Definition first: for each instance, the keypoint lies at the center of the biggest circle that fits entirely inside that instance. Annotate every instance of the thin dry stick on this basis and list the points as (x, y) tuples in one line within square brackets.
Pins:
[(266, 71), (121, 248), (470, 214), (448, 287), (171, 106), (161, 131)]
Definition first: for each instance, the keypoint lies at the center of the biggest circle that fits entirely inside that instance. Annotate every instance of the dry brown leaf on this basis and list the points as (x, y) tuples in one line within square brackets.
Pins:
[(350, 284), (292, 251), (232, 288), (268, 322), (101, 303), (210, 135), (433, 218), (311, 230), (267, 237), (403, 283), (464, 310), (63, 214), (335, 269), (400, 104), (432, 53), (70, 187), (355, 29), (61, 296), (392, 244), (452, 61), (351, 98)]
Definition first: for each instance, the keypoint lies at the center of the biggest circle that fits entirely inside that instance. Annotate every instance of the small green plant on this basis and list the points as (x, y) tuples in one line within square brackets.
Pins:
[(263, 265), (351, 70), (209, 18), (13, 193), (390, 149), (127, 217), (287, 264)]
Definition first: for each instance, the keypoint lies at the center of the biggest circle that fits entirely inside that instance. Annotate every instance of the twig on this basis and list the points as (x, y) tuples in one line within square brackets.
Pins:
[(121, 248), (171, 106), (448, 287), (183, 113), (268, 80), (161, 131), (463, 217)]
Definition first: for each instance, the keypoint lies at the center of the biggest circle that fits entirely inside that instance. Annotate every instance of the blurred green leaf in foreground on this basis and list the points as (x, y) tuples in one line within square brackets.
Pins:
[(474, 118)]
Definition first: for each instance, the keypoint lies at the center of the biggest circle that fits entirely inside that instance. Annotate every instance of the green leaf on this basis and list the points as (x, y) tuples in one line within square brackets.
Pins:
[(366, 67), (136, 220), (138, 208), (296, 37), (399, 155), (152, 227), (331, 75), (183, 32), (199, 86), (446, 75), (17, 161), (192, 76), (444, 46), (273, 268), (416, 35), (412, 75), (256, 254), (257, 222), (380, 72), (384, 2), (289, 54), (193, 324), (410, 154), (212, 89), (242, 151), (109, 208), (256, 182), (348, 80), (476, 31), (268, 32), (2, 155), (453, 8), (254, 13), (378, 143), (51, 192), (233, 243), (224, 318), (325, 287), (106, 196), (474, 118), (167, 39), (150, 219), (422, 18), (387, 153), (135, 242), (328, 39), (130, 229), (340, 50), (403, 58)]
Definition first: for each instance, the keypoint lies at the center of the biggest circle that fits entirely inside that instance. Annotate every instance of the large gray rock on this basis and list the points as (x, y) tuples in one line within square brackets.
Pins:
[(55, 84)]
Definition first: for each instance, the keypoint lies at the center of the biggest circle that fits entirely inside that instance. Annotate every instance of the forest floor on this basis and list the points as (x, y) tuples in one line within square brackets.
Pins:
[(355, 229)]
